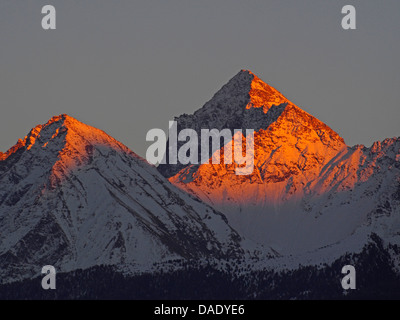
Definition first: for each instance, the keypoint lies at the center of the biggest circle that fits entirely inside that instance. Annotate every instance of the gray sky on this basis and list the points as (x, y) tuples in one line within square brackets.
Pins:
[(129, 66)]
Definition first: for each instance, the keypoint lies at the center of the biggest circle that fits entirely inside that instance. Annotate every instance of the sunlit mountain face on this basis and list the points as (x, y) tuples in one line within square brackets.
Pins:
[(73, 197), (308, 189), (115, 226)]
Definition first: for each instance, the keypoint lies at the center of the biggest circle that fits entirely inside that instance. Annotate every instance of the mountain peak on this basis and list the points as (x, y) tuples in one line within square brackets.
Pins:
[(42, 134), (242, 76), (247, 102), (243, 93), (65, 142), (73, 196), (29, 140), (243, 73), (250, 91)]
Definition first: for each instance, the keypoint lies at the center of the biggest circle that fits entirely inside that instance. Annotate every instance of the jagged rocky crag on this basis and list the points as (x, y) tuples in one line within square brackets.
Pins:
[(309, 192), (73, 197)]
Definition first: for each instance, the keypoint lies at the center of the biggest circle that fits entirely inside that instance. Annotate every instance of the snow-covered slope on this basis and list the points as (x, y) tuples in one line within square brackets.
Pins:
[(73, 197), (308, 190)]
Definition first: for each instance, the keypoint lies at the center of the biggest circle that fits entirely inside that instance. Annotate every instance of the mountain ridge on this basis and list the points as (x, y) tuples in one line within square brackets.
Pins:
[(74, 197), (305, 178), (244, 102)]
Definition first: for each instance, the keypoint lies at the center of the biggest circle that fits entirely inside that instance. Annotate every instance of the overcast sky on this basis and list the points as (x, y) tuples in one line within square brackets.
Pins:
[(129, 66)]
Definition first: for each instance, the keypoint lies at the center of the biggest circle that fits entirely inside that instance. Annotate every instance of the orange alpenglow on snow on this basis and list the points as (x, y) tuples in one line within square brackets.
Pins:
[(263, 95), (72, 142), (301, 168), (289, 143)]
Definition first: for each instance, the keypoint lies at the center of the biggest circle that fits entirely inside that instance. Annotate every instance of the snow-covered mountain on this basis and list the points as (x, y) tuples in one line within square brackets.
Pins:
[(309, 192), (73, 197)]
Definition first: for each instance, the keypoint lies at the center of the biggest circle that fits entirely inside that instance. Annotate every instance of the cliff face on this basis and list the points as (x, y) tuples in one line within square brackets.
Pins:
[(308, 189)]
